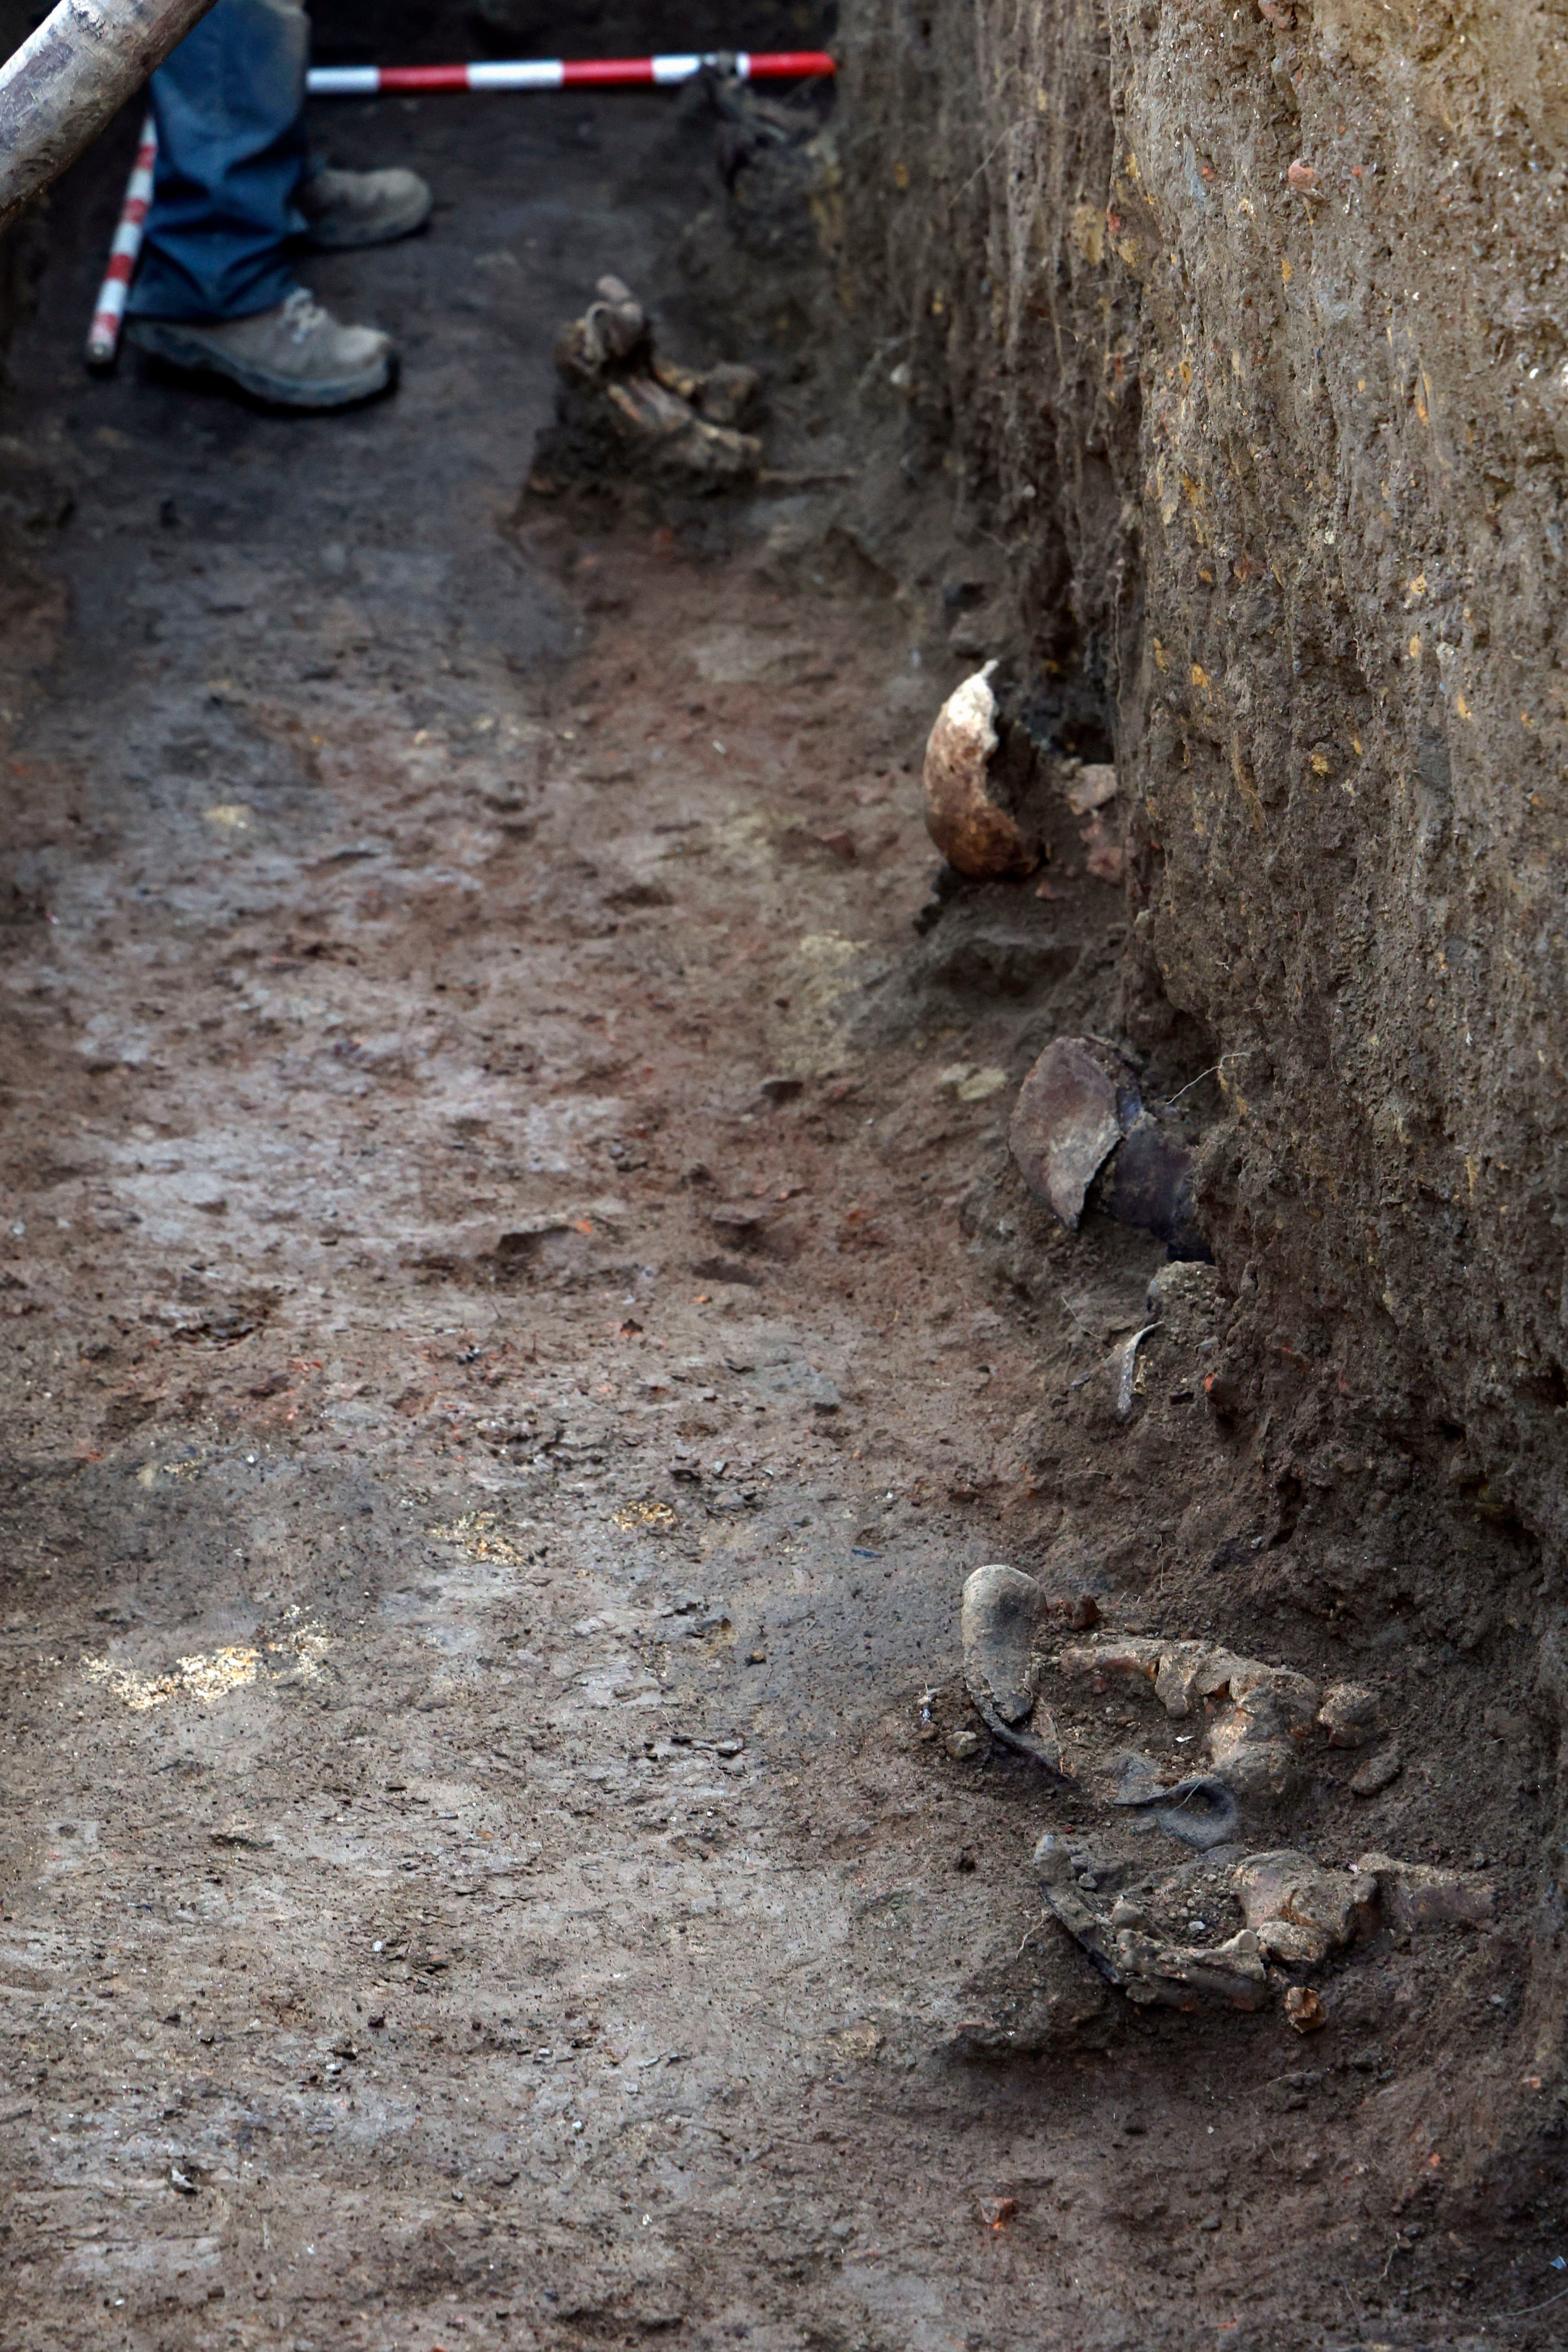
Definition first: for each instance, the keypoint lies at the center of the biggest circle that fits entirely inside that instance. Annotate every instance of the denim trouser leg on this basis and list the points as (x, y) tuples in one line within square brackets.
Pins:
[(229, 106)]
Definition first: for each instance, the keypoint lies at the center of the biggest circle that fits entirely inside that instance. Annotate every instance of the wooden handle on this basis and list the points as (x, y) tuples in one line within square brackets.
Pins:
[(70, 76)]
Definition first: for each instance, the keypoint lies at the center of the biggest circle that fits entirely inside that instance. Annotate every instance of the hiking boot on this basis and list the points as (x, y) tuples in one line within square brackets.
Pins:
[(297, 355), (343, 209)]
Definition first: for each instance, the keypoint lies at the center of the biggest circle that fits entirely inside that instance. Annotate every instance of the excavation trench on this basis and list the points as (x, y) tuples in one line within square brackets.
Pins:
[(520, 1319)]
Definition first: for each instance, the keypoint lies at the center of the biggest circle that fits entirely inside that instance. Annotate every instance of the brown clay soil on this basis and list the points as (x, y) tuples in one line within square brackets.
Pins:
[(517, 1324)]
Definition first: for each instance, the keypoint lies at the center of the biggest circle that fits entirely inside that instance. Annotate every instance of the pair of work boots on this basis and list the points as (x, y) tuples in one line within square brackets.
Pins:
[(298, 354)]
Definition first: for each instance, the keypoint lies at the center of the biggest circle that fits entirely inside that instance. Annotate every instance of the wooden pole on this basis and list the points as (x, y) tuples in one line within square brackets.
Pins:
[(70, 76)]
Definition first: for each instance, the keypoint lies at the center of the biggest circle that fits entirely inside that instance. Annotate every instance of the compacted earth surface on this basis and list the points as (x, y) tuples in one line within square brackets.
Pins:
[(518, 1321)]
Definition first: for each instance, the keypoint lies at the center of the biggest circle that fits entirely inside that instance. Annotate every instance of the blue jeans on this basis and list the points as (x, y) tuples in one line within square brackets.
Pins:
[(229, 106)]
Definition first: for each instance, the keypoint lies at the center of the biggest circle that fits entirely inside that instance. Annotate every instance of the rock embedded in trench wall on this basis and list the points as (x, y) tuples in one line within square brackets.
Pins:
[(1070, 1115), (1081, 1136)]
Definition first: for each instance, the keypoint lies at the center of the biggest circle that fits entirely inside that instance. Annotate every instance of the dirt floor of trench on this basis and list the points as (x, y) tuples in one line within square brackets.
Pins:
[(511, 1348)]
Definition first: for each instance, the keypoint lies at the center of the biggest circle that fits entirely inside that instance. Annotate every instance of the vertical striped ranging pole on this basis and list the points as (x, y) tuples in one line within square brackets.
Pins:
[(103, 335), (566, 73)]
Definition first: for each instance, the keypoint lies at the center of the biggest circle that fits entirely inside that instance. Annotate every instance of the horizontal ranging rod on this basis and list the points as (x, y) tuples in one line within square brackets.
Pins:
[(565, 73)]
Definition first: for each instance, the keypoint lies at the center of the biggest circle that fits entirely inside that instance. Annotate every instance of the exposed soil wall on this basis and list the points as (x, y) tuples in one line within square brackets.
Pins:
[(1238, 331)]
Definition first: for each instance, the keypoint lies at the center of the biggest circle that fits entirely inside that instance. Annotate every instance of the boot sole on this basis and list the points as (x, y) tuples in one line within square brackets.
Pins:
[(385, 232), (179, 349)]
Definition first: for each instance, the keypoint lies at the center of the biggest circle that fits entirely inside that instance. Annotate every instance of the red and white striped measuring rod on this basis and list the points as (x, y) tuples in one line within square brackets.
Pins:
[(373, 82), (103, 335), (565, 73)]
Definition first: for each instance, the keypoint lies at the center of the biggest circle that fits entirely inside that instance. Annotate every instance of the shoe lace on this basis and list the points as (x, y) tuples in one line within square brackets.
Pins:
[(302, 314)]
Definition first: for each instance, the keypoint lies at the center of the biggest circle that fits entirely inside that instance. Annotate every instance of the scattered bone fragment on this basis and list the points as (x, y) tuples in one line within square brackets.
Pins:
[(1001, 1606), (658, 426), (1300, 1911), (1268, 1770), (972, 1084), (1293, 1697), (1150, 1970), (1350, 1714), (622, 406), (1178, 1976), (726, 394), (1181, 1671), (1087, 791), (1089, 788), (1189, 1671), (1137, 1655), (1256, 1744), (1127, 1378), (974, 832), (1415, 1894), (1104, 859), (1379, 1772), (1304, 2009)]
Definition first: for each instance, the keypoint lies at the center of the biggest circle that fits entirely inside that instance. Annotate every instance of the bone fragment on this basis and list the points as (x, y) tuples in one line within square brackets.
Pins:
[(971, 830)]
